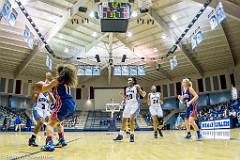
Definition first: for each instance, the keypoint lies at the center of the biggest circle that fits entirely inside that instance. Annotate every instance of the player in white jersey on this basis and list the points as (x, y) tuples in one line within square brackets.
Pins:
[(131, 108), (155, 101), (41, 103)]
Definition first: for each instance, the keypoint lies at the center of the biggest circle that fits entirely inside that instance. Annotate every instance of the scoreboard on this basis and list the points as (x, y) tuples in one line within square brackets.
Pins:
[(114, 10), (114, 16)]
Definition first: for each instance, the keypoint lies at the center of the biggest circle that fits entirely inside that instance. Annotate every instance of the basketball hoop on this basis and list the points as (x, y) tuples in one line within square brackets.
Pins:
[(112, 107)]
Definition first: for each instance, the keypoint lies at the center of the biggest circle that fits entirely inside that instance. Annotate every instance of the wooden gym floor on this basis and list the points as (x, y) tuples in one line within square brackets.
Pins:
[(99, 146)]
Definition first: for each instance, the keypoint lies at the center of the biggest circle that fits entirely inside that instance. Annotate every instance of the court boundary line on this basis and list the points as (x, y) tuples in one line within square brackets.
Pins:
[(34, 153)]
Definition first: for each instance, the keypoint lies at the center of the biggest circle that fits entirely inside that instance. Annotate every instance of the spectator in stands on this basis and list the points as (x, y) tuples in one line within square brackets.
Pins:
[(5, 125), (179, 122), (29, 125), (234, 93), (18, 122)]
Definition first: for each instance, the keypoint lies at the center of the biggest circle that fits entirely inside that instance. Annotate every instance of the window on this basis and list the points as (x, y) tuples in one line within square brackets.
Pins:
[(223, 82), (171, 88), (208, 84), (165, 91), (215, 83), (10, 86), (2, 84), (200, 85), (18, 87), (178, 88), (78, 93)]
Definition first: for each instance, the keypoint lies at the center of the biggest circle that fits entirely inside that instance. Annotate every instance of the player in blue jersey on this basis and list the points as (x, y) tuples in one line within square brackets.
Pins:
[(189, 98), (65, 105)]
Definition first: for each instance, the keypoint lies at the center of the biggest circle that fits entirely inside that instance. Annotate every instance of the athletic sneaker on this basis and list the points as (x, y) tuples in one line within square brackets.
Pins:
[(131, 137), (61, 143), (118, 138), (49, 146), (160, 132), (32, 142), (188, 136), (155, 134)]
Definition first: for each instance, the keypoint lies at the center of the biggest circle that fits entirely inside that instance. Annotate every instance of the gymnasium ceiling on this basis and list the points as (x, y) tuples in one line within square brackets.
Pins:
[(219, 49)]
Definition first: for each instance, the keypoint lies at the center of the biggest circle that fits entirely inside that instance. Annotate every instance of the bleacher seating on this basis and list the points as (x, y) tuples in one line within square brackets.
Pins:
[(11, 115)]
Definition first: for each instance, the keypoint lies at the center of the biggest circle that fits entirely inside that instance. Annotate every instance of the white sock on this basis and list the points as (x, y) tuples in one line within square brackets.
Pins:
[(121, 132)]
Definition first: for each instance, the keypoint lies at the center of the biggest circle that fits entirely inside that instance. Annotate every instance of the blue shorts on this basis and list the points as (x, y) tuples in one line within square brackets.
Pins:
[(63, 111), (191, 112)]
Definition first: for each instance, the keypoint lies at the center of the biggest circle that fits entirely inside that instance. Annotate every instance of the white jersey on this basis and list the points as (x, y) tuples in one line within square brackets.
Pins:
[(154, 98), (43, 101), (132, 95)]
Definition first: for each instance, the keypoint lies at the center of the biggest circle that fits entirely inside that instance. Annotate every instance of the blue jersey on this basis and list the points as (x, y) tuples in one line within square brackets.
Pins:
[(63, 91), (192, 109), (186, 96), (65, 105)]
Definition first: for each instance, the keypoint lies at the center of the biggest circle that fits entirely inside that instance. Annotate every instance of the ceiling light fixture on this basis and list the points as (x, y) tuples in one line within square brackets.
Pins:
[(94, 34), (134, 14), (129, 34), (66, 50), (164, 36), (61, 36), (91, 14), (174, 17)]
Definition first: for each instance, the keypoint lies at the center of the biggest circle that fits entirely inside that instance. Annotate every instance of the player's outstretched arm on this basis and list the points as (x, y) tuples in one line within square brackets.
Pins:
[(47, 87), (143, 93)]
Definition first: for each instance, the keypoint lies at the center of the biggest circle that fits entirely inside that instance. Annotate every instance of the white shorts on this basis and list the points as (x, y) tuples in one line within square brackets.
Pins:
[(41, 113), (156, 110), (131, 109)]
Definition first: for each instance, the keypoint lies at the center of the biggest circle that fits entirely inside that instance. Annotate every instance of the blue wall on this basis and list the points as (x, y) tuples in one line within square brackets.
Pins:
[(19, 102), (169, 103), (202, 100), (219, 97)]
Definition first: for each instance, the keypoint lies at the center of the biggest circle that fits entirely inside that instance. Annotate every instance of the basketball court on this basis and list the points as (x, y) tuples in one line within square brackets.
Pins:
[(99, 145)]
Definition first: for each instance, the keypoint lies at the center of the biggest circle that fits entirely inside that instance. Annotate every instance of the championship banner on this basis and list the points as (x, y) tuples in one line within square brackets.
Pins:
[(216, 17), (196, 38), (6, 9), (173, 63), (217, 124), (12, 17)]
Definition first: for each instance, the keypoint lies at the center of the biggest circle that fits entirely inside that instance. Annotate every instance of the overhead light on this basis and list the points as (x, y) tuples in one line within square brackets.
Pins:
[(129, 34), (50, 18), (61, 36), (174, 17), (94, 34), (92, 14), (164, 36), (134, 14), (66, 50), (155, 50)]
